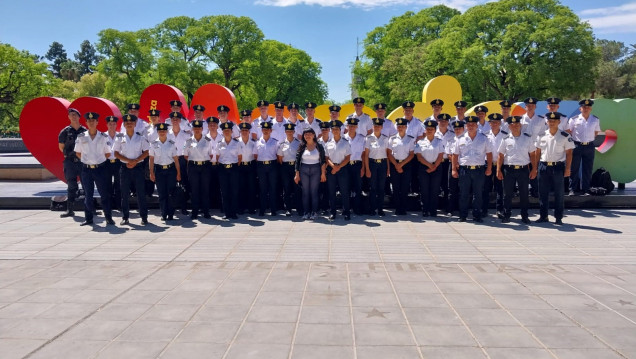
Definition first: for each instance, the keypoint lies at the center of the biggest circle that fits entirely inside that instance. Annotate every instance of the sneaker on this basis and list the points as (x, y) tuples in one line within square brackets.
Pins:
[(312, 216)]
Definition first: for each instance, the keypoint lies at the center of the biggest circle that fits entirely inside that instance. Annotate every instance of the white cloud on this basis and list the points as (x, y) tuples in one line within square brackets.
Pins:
[(370, 4), (616, 19)]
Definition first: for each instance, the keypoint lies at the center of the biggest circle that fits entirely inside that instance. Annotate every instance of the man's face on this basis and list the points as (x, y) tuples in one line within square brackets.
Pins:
[(515, 127), (245, 133), (353, 128), (553, 107), (336, 130), (73, 117), (554, 123), (430, 131), (443, 124), (586, 110), (112, 126), (437, 108), (175, 108), (198, 131), (279, 112), (267, 131), (460, 111), (458, 131), (324, 132), (198, 114), (481, 115), (310, 112), (505, 112), (263, 111), (227, 132), (380, 113), (334, 115), (129, 125), (471, 127), (495, 125), (247, 119), (358, 107), (91, 123), (222, 115), (176, 122), (294, 113), (408, 112), (154, 120), (531, 107), (213, 127)]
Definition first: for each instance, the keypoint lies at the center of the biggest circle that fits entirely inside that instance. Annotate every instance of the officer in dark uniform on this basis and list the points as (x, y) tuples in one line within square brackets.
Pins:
[(266, 157), (131, 148), (93, 149), (516, 153), (113, 165), (286, 153), (164, 169), (72, 165), (228, 152)]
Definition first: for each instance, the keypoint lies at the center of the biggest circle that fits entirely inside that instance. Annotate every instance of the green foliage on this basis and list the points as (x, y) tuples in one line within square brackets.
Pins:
[(86, 57), (57, 56), (22, 78), (616, 70)]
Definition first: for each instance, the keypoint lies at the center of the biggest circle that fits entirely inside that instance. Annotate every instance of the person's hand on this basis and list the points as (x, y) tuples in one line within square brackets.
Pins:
[(399, 169), (297, 178), (131, 164), (455, 174), (152, 176), (488, 171), (323, 177), (566, 173), (533, 174), (361, 172), (179, 177), (368, 173), (500, 175)]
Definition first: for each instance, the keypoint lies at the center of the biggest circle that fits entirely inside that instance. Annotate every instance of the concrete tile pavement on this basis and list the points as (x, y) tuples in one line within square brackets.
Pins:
[(288, 289)]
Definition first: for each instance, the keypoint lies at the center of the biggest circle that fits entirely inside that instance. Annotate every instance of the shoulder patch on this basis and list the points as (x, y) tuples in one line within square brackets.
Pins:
[(120, 135), (565, 134), (207, 138), (410, 136), (235, 139), (525, 134), (138, 133), (504, 132), (103, 134), (383, 135), (82, 134), (540, 116), (171, 141)]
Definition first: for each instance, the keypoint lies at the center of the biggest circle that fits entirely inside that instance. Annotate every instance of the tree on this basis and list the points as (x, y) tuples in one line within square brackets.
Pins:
[(228, 41), (87, 57), (128, 63), (379, 74), (57, 56), (516, 48), (616, 75), (22, 78), (282, 72), (71, 70)]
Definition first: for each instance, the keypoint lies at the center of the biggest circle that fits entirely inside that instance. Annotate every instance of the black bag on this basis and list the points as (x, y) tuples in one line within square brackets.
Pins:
[(58, 203), (179, 196), (601, 178)]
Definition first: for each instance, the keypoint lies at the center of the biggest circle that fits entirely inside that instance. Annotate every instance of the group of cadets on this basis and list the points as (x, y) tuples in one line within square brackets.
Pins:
[(460, 159)]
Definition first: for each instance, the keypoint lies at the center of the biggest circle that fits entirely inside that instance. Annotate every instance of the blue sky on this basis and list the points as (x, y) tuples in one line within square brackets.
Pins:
[(326, 29)]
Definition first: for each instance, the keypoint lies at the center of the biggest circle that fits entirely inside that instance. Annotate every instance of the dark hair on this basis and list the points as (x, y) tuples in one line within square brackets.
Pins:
[(303, 142)]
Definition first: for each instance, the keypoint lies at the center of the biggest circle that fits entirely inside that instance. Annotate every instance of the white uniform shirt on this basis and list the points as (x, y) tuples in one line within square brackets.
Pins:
[(553, 148), (429, 149), (534, 125), (302, 125), (247, 150), (583, 130), (364, 123), (401, 146), (200, 150), (278, 130), (228, 152), (266, 151), (214, 142), (415, 128), (179, 140), (357, 146), (288, 150), (516, 150), (93, 150), (236, 133), (140, 126), (163, 153), (256, 126), (445, 137), (112, 140), (472, 152), (376, 146), (131, 147), (495, 141), (337, 151), (450, 146), (485, 128), (389, 128)]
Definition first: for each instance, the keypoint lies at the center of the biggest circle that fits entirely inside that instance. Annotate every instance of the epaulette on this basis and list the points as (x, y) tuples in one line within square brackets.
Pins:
[(565, 134), (410, 136), (541, 116), (138, 133), (525, 134), (504, 132), (103, 134), (81, 134), (171, 141), (275, 139), (120, 135), (208, 138), (383, 135), (235, 139)]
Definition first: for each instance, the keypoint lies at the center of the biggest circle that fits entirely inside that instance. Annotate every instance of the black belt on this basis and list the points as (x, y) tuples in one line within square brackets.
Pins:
[(381, 160), (246, 163), (515, 167), (444, 160), (290, 163), (266, 162), (227, 165), (164, 167), (583, 143), (552, 163), (354, 162), (213, 163), (113, 161), (400, 161), (92, 167), (199, 163), (472, 167)]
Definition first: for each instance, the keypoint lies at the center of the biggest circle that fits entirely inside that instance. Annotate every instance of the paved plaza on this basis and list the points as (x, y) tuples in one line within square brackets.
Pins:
[(370, 288)]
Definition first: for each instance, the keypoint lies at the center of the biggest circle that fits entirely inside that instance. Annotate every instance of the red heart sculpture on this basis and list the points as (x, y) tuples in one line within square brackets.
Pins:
[(41, 120), (158, 97), (102, 106), (212, 96)]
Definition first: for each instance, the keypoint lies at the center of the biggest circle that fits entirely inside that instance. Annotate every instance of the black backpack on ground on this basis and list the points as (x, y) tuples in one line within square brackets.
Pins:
[(601, 183)]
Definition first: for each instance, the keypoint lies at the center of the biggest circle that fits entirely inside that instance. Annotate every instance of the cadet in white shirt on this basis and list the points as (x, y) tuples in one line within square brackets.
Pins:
[(338, 156), (437, 106), (266, 167), (175, 106), (140, 124), (309, 122), (388, 128), (199, 115), (287, 150), (263, 107), (93, 149), (415, 129), (430, 152), (553, 106), (113, 165), (356, 167), (180, 136), (223, 112), (323, 188), (198, 151), (453, 182), (164, 169), (131, 148), (506, 109), (376, 165), (468, 165), (400, 156), (483, 125), (365, 126), (534, 125), (247, 171), (495, 136), (214, 135), (445, 134), (583, 129), (151, 135), (228, 152), (278, 124), (516, 153), (554, 151), (460, 110)]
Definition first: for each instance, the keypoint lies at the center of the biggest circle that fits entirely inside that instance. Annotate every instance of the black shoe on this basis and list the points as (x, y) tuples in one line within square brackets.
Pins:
[(461, 219), (478, 220), (500, 215), (170, 218), (541, 220), (185, 212), (163, 218), (144, 221), (87, 223), (109, 220), (261, 213), (381, 213), (424, 214), (525, 220), (287, 213), (225, 217), (347, 217), (571, 193), (273, 214), (124, 222), (194, 216), (505, 220), (234, 217), (251, 211), (559, 222), (372, 213), (67, 214), (332, 217), (207, 216)]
